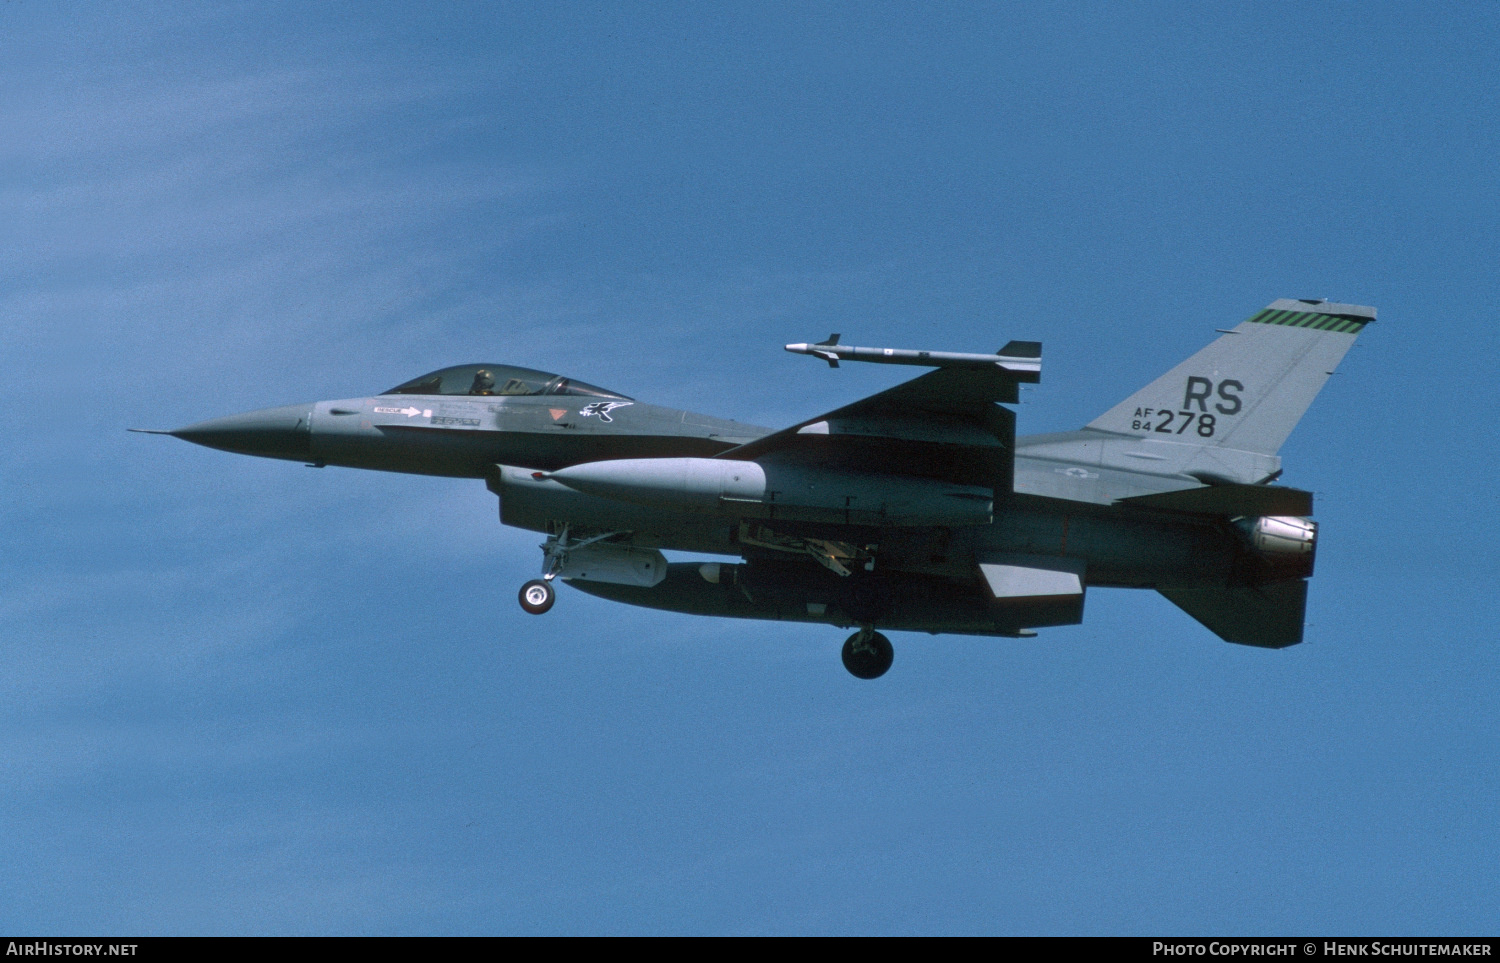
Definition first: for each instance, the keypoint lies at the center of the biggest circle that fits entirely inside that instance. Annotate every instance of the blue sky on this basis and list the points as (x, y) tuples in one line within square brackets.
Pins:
[(240, 696)]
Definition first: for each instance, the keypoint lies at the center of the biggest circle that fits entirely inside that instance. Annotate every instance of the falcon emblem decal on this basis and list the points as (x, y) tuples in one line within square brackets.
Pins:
[(601, 409)]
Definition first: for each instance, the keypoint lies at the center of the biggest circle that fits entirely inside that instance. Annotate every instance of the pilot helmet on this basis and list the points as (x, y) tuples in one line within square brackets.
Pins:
[(484, 383)]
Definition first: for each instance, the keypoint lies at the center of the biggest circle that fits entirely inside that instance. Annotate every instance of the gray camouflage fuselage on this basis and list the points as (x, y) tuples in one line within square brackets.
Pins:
[(916, 509)]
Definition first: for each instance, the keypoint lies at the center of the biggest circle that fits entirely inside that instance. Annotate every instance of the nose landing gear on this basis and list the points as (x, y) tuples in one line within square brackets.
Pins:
[(538, 594), (868, 654)]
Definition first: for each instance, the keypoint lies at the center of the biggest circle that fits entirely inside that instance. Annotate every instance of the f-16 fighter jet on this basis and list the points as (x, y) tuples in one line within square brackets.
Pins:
[(917, 509)]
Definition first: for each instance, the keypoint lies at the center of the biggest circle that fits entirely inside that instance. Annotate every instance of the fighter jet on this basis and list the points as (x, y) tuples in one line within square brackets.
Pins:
[(916, 509)]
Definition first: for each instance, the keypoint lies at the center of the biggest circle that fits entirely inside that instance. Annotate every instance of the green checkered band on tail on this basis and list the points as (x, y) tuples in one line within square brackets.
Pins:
[(1310, 319)]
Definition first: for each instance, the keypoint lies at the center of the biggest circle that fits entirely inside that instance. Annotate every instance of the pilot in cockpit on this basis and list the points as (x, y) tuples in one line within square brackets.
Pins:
[(484, 383)]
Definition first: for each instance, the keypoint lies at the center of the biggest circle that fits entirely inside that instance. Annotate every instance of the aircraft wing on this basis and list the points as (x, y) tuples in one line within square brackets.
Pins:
[(946, 424)]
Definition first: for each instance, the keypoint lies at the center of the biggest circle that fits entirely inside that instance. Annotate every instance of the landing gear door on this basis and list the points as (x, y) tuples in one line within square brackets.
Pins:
[(619, 564)]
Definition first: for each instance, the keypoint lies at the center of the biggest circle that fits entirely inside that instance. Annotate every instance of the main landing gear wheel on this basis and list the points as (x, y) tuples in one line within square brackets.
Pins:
[(537, 596), (868, 654)]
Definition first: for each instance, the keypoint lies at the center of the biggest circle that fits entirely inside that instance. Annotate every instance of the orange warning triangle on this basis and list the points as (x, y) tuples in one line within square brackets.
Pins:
[(557, 412)]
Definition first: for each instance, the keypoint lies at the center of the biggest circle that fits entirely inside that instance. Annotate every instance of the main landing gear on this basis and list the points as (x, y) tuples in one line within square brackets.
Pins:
[(868, 654), (537, 596)]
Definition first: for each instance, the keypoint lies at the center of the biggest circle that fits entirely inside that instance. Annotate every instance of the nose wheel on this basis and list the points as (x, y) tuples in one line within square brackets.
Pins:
[(868, 654), (537, 596)]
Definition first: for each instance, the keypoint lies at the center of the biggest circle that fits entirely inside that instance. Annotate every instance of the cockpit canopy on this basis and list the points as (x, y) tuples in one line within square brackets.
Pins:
[(497, 379)]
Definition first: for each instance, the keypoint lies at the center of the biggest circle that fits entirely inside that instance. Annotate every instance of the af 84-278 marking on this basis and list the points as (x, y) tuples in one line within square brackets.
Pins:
[(1163, 421), (916, 509), (1198, 392)]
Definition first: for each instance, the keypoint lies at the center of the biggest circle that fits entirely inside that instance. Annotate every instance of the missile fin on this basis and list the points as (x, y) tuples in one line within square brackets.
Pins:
[(1021, 349)]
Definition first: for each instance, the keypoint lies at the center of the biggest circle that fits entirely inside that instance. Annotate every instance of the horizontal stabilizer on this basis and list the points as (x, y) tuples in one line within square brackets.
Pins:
[(1269, 615), (1230, 500)]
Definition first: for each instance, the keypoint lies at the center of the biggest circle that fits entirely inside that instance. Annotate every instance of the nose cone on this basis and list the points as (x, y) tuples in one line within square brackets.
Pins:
[(270, 432)]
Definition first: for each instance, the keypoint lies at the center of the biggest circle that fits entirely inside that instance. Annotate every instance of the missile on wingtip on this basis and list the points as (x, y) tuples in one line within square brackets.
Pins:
[(1023, 359)]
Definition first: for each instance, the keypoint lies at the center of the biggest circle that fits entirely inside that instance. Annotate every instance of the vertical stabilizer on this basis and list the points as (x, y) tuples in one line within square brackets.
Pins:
[(1248, 389)]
